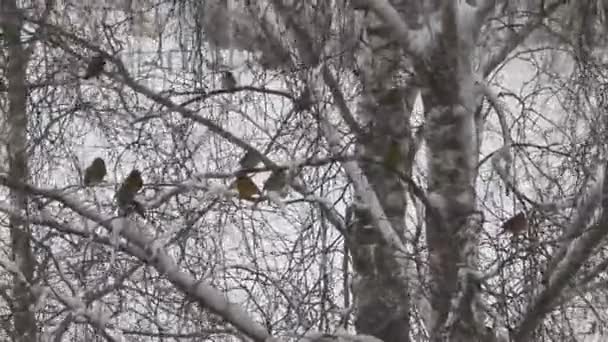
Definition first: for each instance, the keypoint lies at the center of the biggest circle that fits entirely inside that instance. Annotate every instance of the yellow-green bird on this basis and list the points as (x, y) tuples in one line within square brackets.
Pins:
[(95, 172), (392, 159), (246, 187), (127, 191)]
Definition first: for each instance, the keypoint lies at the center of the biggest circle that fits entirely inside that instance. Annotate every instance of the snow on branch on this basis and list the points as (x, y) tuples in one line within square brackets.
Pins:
[(414, 42), (209, 297), (98, 318), (567, 262), (515, 38), (150, 252), (124, 77), (582, 217), (501, 160)]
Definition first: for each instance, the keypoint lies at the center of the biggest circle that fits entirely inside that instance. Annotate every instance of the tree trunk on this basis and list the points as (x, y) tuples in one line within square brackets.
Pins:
[(381, 292), (24, 318), (452, 238)]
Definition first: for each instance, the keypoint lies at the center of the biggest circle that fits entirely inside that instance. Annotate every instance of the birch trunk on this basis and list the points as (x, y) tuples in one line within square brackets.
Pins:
[(381, 291), (450, 126), (16, 118)]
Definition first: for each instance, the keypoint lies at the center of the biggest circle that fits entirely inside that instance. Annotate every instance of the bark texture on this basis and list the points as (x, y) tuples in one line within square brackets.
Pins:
[(23, 317), (452, 238), (386, 147)]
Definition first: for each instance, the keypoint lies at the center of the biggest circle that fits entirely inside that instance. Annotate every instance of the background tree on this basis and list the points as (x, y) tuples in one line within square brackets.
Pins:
[(408, 132)]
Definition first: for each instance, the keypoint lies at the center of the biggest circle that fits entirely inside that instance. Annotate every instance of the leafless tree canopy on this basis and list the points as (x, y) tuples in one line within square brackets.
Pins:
[(367, 170)]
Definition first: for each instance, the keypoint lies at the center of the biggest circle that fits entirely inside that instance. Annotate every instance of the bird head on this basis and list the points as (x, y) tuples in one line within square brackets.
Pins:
[(98, 163), (135, 174), (134, 181)]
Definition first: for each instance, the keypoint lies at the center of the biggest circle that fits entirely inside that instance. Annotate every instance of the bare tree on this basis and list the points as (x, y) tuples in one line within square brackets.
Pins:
[(16, 123), (403, 134)]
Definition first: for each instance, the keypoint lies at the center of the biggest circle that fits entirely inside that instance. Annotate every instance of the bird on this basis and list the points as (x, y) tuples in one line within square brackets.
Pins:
[(228, 80), (249, 160), (95, 67), (127, 191), (517, 224), (94, 174), (304, 101), (392, 98), (276, 181), (392, 159), (246, 187)]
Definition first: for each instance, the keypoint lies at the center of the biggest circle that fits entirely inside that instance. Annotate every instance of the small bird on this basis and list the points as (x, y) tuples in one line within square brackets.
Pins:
[(246, 187), (95, 67), (392, 98), (94, 174), (249, 160), (304, 101), (127, 191), (228, 80), (276, 181), (392, 159), (517, 224)]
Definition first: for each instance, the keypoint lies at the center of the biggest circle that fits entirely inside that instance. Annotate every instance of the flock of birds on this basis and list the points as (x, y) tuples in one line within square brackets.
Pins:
[(276, 183), (246, 187), (126, 194)]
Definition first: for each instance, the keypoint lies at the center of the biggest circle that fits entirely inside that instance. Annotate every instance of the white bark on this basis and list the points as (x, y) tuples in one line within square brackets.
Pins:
[(17, 122)]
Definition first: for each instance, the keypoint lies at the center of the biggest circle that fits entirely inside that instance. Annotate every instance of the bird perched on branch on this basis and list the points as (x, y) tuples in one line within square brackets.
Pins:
[(304, 101), (228, 80), (249, 160), (276, 182), (127, 191), (94, 174), (246, 187), (392, 159), (517, 224), (95, 67)]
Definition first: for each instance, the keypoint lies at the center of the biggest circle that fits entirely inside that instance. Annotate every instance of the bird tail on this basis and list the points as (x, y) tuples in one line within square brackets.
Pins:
[(133, 206), (139, 209)]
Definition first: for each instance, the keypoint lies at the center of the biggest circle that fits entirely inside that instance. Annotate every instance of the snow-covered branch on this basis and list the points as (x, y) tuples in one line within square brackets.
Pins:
[(568, 261), (583, 215), (515, 38), (414, 42), (147, 250)]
